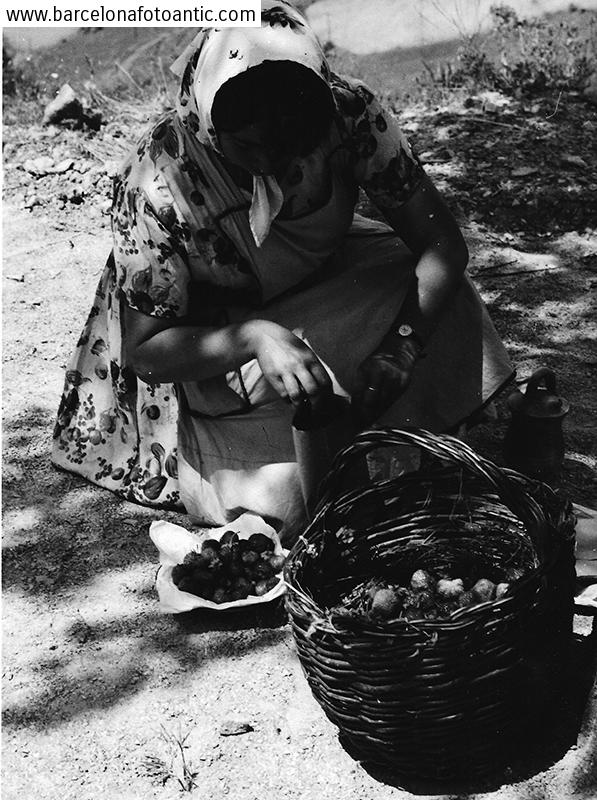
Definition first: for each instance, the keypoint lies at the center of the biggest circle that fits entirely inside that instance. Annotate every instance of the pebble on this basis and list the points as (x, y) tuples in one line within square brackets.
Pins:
[(43, 165), (235, 728), (32, 201)]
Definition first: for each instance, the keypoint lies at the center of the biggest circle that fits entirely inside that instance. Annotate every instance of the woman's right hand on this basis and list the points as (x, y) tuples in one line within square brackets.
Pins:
[(287, 363)]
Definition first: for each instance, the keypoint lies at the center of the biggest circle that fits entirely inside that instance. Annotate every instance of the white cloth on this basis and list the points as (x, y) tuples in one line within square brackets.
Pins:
[(265, 206)]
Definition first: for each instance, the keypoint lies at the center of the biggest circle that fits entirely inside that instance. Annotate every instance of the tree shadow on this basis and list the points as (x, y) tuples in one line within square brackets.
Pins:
[(89, 676), (61, 537), (265, 615), (58, 525)]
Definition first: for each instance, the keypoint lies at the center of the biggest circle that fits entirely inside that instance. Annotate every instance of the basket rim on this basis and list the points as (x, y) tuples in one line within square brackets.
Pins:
[(537, 525)]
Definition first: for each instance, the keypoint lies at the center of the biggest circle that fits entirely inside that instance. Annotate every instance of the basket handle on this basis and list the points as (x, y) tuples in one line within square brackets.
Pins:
[(443, 446)]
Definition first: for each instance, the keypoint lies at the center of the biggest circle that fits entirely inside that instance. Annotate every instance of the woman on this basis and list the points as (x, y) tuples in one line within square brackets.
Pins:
[(241, 281)]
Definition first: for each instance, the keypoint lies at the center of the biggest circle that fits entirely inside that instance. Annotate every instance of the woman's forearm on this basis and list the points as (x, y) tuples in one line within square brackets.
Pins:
[(430, 231), (160, 352), (437, 277), (189, 353)]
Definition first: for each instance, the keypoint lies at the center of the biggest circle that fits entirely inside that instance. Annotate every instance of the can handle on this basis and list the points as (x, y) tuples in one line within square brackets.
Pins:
[(543, 375)]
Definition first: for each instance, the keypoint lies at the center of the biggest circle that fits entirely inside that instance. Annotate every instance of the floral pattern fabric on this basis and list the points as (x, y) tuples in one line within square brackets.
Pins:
[(172, 259)]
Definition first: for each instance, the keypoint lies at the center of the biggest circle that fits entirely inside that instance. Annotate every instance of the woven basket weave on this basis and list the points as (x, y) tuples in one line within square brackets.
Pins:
[(432, 698)]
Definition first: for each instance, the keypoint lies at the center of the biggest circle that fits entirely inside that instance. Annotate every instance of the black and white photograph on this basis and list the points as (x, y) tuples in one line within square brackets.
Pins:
[(299, 394)]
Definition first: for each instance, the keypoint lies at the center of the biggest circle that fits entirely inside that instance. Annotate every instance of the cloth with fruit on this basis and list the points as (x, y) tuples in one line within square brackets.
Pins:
[(189, 243)]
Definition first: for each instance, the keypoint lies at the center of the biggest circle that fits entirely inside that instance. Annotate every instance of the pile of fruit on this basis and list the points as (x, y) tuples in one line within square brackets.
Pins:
[(230, 569), (428, 596)]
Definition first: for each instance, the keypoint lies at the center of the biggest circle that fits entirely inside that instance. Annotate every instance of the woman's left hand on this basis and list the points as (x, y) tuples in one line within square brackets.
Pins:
[(382, 378)]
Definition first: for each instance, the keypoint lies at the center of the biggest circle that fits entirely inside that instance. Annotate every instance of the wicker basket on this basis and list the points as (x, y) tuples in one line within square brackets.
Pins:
[(433, 699)]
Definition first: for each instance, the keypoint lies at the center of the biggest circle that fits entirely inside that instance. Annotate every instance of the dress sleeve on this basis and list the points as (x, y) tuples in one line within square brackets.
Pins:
[(384, 163), (152, 269), (168, 251)]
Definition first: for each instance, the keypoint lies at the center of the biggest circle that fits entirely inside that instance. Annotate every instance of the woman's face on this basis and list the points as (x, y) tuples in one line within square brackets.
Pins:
[(247, 148)]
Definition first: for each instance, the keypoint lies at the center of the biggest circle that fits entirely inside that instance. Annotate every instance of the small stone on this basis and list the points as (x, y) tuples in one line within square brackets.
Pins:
[(577, 161), (111, 168), (64, 106), (235, 728), (32, 201), (63, 166), (43, 165), (522, 172)]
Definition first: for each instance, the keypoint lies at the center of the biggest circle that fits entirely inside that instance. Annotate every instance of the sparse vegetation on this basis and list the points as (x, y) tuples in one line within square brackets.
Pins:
[(524, 57), (18, 78), (175, 765)]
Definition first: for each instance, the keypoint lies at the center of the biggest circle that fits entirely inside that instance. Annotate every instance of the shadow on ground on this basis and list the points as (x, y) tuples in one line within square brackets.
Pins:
[(535, 747), (65, 539)]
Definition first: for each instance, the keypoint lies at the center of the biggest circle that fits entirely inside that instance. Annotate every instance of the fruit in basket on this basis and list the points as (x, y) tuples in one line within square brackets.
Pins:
[(262, 570), (501, 589), (220, 596), (250, 557), (449, 589), (428, 596), (421, 579), (276, 562), (229, 569), (260, 543), (263, 587), (230, 537), (241, 588), (466, 599), (186, 584), (210, 548), (483, 590), (386, 603), (179, 571), (196, 559)]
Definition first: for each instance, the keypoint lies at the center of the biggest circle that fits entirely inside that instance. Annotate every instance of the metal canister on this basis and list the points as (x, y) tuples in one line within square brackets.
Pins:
[(534, 441)]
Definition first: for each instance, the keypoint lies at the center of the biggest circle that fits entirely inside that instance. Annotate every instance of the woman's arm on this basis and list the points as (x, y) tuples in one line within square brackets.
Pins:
[(159, 351), (428, 228)]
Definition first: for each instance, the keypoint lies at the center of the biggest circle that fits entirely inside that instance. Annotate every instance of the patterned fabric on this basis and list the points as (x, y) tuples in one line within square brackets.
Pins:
[(183, 249), (217, 55)]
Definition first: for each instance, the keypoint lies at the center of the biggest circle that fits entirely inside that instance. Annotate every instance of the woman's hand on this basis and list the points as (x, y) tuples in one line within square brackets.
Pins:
[(382, 378), (287, 363)]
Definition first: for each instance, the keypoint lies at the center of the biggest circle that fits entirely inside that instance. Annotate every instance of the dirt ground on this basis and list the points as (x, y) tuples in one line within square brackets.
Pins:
[(98, 686)]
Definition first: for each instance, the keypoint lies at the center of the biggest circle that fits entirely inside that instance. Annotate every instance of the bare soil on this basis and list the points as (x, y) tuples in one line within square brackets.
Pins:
[(98, 686)]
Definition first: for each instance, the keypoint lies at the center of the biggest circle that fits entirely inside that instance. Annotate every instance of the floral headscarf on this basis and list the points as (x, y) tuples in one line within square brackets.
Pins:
[(218, 54)]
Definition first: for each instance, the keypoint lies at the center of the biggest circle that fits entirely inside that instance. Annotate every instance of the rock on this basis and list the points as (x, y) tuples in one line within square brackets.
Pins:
[(235, 728), (67, 108), (493, 102), (522, 172), (577, 161), (111, 168), (33, 201), (44, 165), (439, 156), (65, 105), (63, 166)]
